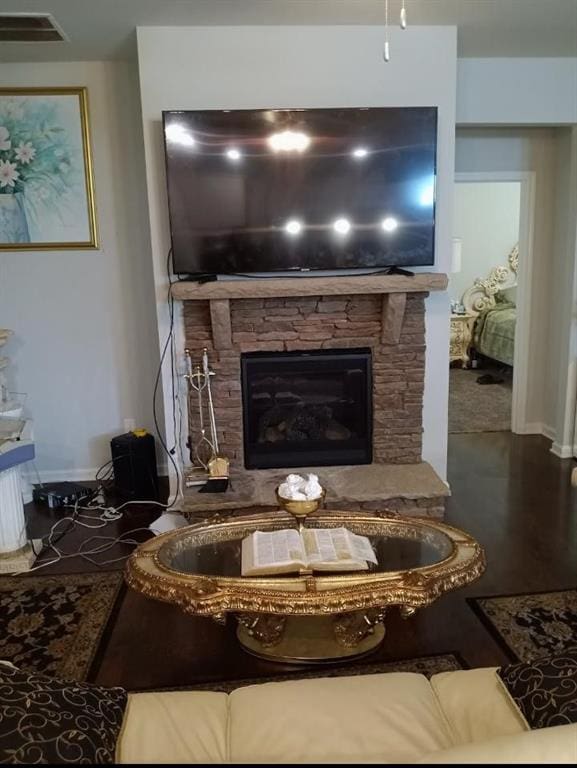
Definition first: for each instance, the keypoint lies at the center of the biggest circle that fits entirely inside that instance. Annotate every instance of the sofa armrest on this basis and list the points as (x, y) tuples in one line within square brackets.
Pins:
[(544, 746), (476, 705), (182, 727)]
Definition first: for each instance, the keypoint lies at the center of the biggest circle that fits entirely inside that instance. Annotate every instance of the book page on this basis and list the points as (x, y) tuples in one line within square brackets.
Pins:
[(318, 545), (361, 548), (337, 548), (277, 548)]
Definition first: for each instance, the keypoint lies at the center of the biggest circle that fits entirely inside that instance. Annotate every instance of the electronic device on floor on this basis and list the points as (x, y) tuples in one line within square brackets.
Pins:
[(58, 495), (134, 463)]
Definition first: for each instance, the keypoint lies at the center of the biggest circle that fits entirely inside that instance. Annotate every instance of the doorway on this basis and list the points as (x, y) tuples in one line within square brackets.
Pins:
[(488, 283)]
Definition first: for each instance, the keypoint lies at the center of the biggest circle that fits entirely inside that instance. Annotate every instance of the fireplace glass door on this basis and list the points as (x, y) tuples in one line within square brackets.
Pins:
[(307, 408)]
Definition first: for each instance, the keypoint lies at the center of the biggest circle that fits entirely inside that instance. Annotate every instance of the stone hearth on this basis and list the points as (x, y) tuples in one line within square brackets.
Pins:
[(407, 489), (384, 314)]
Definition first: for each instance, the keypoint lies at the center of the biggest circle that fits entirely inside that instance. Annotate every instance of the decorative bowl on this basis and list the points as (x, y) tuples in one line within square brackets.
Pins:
[(300, 509)]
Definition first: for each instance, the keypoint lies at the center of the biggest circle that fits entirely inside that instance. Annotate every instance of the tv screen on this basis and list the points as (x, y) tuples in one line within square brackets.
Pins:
[(301, 189)]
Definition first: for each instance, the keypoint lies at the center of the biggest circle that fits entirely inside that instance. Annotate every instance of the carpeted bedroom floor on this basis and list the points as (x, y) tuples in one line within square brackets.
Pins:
[(477, 407)]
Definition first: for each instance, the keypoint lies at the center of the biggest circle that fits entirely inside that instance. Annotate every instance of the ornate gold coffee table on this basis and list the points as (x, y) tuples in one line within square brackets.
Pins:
[(306, 618)]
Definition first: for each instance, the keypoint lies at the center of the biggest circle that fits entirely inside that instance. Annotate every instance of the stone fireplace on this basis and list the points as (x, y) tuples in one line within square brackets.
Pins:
[(329, 368)]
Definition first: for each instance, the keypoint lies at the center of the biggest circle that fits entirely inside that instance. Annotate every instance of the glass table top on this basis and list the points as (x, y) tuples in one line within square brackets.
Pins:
[(399, 544)]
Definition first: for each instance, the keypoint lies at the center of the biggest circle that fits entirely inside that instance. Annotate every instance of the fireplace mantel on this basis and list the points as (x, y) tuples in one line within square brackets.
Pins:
[(393, 288), (282, 287)]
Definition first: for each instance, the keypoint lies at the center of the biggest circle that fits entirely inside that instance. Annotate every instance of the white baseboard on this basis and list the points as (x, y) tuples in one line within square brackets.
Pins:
[(538, 428), (559, 450), (562, 451), (74, 475), (532, 428)]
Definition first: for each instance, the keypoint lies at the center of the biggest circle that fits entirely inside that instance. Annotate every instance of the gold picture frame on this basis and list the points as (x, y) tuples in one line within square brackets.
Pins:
[(47, 199)]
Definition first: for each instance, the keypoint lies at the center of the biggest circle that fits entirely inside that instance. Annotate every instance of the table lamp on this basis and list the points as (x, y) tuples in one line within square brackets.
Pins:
[(456, 256), (456, 263)]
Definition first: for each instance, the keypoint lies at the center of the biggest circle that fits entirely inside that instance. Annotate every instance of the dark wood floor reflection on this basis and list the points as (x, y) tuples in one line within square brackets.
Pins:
[(508, 491)]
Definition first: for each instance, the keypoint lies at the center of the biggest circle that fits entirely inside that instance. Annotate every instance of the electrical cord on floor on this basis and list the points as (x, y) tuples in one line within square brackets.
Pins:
[(91, 522), (63, 533), (94, 503), (95, 495)]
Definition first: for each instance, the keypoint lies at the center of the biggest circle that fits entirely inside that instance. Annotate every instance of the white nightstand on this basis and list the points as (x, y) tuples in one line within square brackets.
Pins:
[(461, 337)]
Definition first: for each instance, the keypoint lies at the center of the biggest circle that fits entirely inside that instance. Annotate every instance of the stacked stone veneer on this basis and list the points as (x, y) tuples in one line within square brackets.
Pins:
[(305, 323)]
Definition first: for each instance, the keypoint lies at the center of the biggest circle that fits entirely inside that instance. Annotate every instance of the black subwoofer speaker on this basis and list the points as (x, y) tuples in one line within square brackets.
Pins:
[(134, 463)]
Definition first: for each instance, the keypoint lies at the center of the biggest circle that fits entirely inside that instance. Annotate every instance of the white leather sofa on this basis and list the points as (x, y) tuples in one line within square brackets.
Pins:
[(456, 717)]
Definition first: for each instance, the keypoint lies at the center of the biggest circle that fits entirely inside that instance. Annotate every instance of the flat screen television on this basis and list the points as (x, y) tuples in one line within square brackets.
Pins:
[(268, 190)]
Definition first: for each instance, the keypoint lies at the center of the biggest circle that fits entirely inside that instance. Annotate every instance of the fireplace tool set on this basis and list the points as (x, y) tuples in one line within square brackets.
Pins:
[(209, 466)]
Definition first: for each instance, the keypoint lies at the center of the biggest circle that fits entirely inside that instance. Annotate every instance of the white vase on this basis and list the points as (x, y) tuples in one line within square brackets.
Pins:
[(13, 224)]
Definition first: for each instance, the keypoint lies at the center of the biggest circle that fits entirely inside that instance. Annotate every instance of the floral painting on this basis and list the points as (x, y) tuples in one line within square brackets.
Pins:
[(46, 187)]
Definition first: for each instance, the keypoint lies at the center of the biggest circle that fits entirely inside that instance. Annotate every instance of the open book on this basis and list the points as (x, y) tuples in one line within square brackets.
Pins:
[(329, 549)]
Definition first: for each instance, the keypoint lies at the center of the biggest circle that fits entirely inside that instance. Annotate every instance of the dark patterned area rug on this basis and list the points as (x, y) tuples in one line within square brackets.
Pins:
[(54, 624), (424, 665), (530, 626)]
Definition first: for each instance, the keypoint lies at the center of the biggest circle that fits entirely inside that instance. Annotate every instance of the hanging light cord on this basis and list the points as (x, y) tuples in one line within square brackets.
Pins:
[(386, 53), (402, 23)]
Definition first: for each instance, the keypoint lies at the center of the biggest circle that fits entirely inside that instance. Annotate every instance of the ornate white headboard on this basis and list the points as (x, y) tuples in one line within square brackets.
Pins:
[(481, 295)]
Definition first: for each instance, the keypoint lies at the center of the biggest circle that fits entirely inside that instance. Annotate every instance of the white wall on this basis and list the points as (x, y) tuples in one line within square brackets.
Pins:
[(528, 150), (517, 91), (251, 67), (486, 219), (86, 347), (535, 92), (562, 388)]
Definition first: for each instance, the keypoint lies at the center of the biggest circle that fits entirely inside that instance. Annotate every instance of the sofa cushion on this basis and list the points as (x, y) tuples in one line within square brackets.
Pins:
[(545, 690), (174, 727), (475, 705), (46, 720), (547, 746), (390, 717)]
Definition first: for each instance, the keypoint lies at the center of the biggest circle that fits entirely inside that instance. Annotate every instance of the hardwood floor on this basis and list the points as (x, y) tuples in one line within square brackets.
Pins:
[(509, 492)]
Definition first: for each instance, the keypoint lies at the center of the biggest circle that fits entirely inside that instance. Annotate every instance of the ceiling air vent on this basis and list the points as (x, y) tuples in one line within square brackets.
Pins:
[(29, 28)]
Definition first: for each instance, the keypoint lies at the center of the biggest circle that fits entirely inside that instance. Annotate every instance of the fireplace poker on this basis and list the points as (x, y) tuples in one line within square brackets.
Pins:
[(202, 450), (218, 465), (203, 440), (207, 374)]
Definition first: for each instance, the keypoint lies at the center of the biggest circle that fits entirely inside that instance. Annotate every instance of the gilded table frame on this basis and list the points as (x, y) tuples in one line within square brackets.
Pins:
[(215, 596)]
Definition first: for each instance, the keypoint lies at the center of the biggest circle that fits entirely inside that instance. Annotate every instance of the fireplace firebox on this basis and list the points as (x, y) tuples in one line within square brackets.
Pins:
[(307, 408)]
